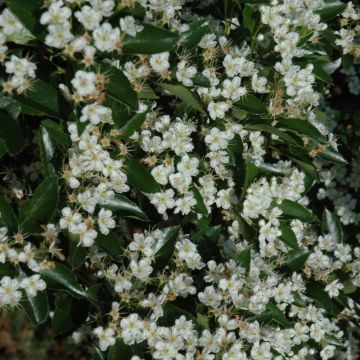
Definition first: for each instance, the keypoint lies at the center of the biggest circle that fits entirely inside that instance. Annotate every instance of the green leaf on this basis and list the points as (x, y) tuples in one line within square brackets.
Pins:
[(244, 259), (118, 87), (7, 215), (334, 156), (42, 98), (132, 125), (294, 210), (331, 225), (272, 130), (28, 13), (201, 80), (11, 133), (3, 148), (61, 321), (62, 276), (111, 244), (164, 247), (125, 207), (150, 40), (139, 177), (269, 169), (47, 152), (147, 93), (200, 206), (197, 30), (288, 236), (97, 354), (39, 209), (57, 134), (11, 106), (77, 253), (296, 259), (184, 94), (278, 315), (316, 292), (248, 16), (302, 127), (331, 10), (251, 104), (36, 307), (123, 351)]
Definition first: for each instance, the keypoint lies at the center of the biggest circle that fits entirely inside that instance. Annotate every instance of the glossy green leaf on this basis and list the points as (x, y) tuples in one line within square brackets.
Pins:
[(57, 134), (11, 106), (251, 104), (111, 244), (61, 321), (42, 98), (292, 209), (331, 225), (62, 276), (150, 40), (295, 260), (3, 148), (97, 354), (200, 206), (331, 10), (118, 87), (316, 292), (36, 307), (125, 207), (11, 133), (184, 94), (39, 209), (244, 259), (201, 80), (47, 152), (77, 253), (28, 13), (278, 315), (197, 30), (132, 125), (248, 16), (7, 215), (139, 177), (288, 236), (334, 156), (123, 351), (164, 247), (272, 130)]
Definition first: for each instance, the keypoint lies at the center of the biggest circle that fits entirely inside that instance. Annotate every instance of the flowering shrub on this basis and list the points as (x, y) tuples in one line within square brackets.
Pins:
[(179, 179)]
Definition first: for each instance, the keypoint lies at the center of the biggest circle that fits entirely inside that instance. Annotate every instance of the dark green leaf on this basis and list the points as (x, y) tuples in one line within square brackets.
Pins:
[(118, 86), (184, 94), (132, 125), (200, 206), (97, 354), (47, 152), (11, 133), (248, 16), (7, 215), (278, 315), (296, 259), (331, 225), (150, 40), (201, 80), (57, 134), (244, 259), (334, 156), (111, 244), (330, 10), (3, 148), (62, 276), (272, 130), (164, 247), (139, 177), (61, 321), (40, 207), (11, 106), (197, 30), (317, 293), (36, 307), (251, 104), (77, 253), (42, 98), (292, 209), (125, 207), (288, 236)]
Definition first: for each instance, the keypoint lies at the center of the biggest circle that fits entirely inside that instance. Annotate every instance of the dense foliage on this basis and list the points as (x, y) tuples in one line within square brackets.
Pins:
[(181, 178)]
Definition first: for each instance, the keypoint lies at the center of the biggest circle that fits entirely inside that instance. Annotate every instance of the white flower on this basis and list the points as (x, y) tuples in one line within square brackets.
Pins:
[(327, 352), (132, 329), (20, 67), (141, 269), (232, 89), (9, 294), (33, 284), (106, 38), (185, 73), (9, 22), (95, 114), (84, 83), (163, 200), (261, 351), (56, 14), (160, 62), (105, 336), (59, 35), (89, 17), (70, 220), (333, 288), (258, 84), (128, 25), (218, 109), (105, 221)]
